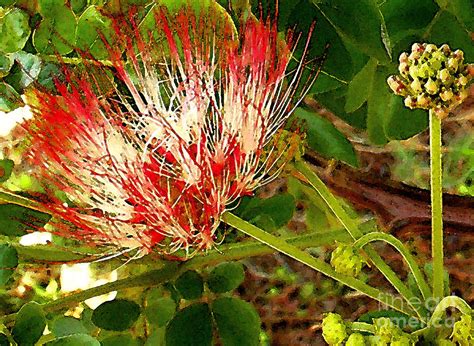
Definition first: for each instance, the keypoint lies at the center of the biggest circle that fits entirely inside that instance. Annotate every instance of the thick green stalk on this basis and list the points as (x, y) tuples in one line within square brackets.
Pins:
[(356, 233), (436, 179), (449, 302), (282, 246)]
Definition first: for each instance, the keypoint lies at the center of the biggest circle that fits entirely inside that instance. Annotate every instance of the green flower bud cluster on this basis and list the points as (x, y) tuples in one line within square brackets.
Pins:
[(334, 329), (432, 78), (388, 333), (356, 339), (463, 331), (346, 260)]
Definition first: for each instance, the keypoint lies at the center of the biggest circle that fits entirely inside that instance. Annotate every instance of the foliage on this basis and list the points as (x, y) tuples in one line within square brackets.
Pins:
[(195, 302)]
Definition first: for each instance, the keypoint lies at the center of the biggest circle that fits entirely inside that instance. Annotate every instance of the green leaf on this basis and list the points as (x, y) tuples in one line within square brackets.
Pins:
[(364, 28), (6, 3), (48, 8), (237, 322), (29, 324), (448, 29), (74, 340), (119, 340), (91, 25), (47, 75), (4, 340), (324, 138), (226, 277), (6, 168), (78, 5), (56, 33), (64, 326), (160, 311), (118, 314), (25, 70), (16, 220), (190, 284), (360, 86), (269, 213), (190, 326), (461, 9), (9, 98), (404, 18), (379, 103), (14, 30), (8, 262), (6, 63)]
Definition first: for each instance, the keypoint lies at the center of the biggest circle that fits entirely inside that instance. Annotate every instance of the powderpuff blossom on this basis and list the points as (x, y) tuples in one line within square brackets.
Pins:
[(191, 126)]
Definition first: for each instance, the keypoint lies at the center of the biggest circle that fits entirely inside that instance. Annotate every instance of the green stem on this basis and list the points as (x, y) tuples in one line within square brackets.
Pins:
[(356, 233), (436, 179), (168, 271), (362, 327), (407, 256), (12, 198), (75, 61), (446, 302), (305, 258)]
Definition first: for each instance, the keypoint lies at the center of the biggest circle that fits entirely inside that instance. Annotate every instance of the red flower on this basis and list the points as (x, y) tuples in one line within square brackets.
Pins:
[(158, 163)]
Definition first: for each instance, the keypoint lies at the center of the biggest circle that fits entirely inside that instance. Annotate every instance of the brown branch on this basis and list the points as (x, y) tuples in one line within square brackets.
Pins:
[(400, 208)]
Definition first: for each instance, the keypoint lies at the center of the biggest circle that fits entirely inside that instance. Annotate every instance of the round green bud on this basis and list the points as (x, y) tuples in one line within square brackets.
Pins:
[(446, 95), (410, 102), (334, 329), (462, 81), (431, 87), (444, 76), (416, 85), (403, 340), (453, 64), (423, 101), (396, 84), (345, 260), (355, 339), (430, 48), (445, 49), (459, 54), (403, 69)]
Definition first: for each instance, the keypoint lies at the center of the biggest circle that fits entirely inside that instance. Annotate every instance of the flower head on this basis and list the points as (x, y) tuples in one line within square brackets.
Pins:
[(432, 78), (188, 130)]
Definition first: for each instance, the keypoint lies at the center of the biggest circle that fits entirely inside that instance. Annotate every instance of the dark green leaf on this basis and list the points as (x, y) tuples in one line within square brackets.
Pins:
[(47, 75), (9, 98), (226, 277), (74, 340), (363, 28), (191, 326), (6, 3), (448, 29), (4, 340), (379, 103), (403, 17), (269, 213), (323, 137), (48, 7), (56, 33), (237, 322), (64, 326), (8, 262), (118, 314), (16, 220), (29, 324), (360, 86), (160, 311), (119, 340), (92, 27), (6, 63), (462, 9), (25, 70), (14, 30), (78, 5), (190, 284), (6, 167)]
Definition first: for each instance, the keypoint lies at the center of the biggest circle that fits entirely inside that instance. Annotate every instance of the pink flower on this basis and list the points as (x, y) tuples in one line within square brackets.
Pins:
[(157, 164)]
